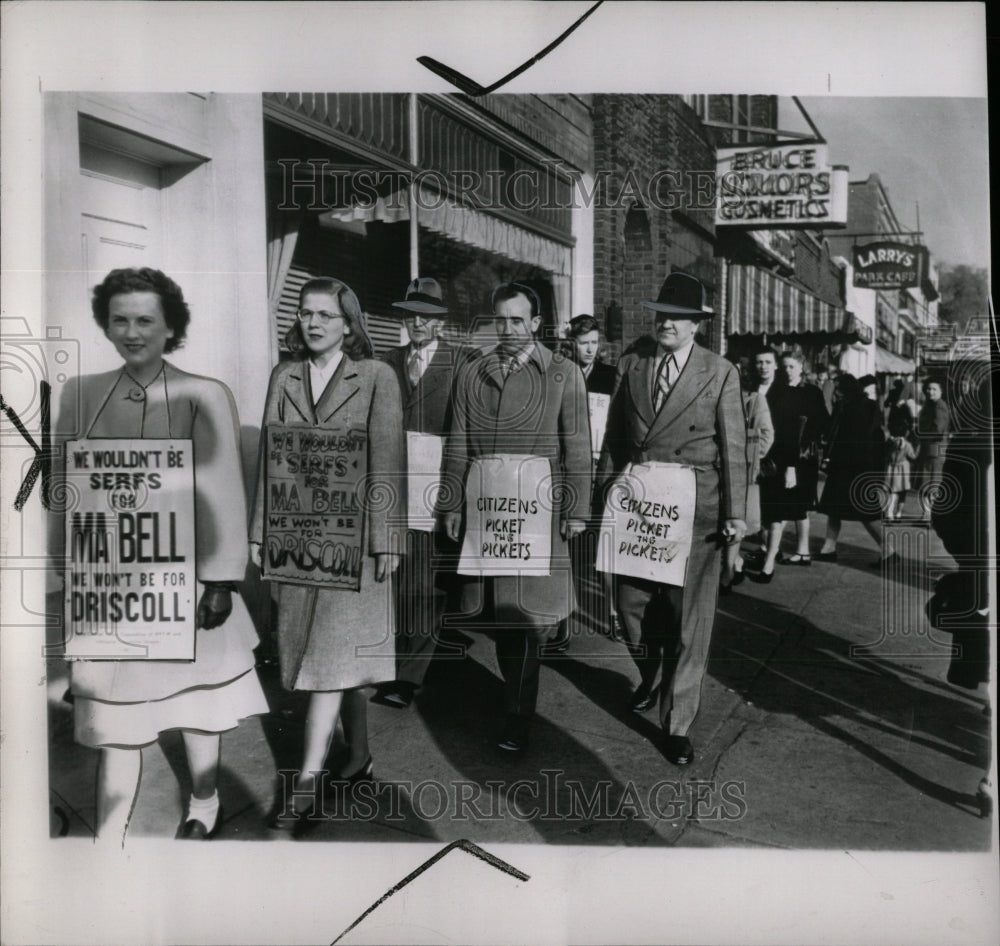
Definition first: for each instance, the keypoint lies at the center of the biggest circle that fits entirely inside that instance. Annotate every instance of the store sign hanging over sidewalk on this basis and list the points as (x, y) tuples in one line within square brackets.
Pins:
[(887, 265), (789, 186)]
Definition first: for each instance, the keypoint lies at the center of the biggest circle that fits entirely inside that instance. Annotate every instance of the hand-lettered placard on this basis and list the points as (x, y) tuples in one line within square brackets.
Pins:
[(131, 589), (508, 517), (598, 405), (313, 505), (648, 523), (423, 479)]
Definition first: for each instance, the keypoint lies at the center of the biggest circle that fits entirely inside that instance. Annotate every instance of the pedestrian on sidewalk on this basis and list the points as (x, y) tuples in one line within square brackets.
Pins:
[(520, 400), (933, 426), (425, 369), (594, 594), (900, 450), (678, 403), (854, 460), (788, 488), (760, 436), (335, 642), (119, 706)]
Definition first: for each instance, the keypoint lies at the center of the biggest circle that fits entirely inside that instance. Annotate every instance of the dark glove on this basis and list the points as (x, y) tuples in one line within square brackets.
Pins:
[(216, 604)]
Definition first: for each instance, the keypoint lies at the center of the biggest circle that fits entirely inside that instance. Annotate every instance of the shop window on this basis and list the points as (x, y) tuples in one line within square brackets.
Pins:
[(375, 266)]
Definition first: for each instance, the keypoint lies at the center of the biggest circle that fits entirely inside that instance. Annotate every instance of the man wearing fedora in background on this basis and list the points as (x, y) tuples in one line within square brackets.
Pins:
[(676, 402), (425, 369)]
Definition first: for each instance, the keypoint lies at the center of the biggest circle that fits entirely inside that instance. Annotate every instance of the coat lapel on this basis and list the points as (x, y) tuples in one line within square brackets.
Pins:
[(639, 380), (692, 379), (297, 393), (342, 387), (436, 374)]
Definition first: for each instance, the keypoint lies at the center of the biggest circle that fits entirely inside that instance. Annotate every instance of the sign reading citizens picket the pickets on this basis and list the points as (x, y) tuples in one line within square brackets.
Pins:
[(313, 510), (508, 517), (131, 589), (648, 523)]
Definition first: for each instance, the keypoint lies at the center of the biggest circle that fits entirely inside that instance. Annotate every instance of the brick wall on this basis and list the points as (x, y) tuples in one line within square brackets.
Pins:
[(636, 138)]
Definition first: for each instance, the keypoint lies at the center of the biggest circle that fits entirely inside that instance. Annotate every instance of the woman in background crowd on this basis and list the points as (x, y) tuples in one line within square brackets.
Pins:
[(855, 454), (791, 468), (760, 436), (933, 426), (334, 642), (899, 449)]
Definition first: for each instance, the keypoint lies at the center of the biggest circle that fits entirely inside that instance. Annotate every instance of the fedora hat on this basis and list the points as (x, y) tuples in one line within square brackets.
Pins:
[(681, 294), (423, 297)]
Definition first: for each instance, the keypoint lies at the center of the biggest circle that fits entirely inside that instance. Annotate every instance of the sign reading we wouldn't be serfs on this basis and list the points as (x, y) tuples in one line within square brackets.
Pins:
[(131, 588), (313, 520)]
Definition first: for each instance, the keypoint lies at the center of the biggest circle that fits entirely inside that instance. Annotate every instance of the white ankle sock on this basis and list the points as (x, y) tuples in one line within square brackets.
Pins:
[(205, 810)]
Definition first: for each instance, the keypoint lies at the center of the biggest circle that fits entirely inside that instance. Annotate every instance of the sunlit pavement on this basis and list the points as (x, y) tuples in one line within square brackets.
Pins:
[(819, 729)]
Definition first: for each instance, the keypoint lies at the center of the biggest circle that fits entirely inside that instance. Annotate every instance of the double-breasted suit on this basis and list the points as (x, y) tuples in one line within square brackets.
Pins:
[(700, 424), (427, 572), (539, 409), (337, 639)]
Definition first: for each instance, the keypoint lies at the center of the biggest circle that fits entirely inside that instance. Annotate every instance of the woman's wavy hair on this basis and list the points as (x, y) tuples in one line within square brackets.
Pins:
[(356, 345), (122, 281)]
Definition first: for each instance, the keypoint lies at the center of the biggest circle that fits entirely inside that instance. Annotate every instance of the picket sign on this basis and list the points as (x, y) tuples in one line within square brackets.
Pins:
[(508, 517), (648, 523), (131, 587)]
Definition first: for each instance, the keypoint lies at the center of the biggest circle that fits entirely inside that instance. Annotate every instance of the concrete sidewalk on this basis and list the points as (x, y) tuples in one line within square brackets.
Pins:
[(817, 730)]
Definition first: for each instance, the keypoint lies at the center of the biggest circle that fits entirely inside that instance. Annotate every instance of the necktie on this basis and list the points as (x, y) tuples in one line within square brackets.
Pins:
[(413, 368), (662, 386), (506, 365)]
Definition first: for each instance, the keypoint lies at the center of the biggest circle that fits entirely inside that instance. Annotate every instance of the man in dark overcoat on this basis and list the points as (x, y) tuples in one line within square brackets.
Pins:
[(520, 398)]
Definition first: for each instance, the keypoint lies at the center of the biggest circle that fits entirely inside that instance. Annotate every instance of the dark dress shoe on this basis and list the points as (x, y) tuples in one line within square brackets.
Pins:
[(559, 643), (398, 695), (762, 578), (366, 773), (195, 830), (297, 824), (515, 734), (643, 700), (826, 556), (737, 578), (678, 750)]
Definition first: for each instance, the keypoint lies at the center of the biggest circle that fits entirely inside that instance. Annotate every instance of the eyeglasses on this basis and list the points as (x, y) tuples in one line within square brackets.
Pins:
[(305, 315)]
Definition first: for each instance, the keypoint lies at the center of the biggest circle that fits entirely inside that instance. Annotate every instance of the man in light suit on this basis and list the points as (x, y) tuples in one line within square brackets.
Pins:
[(676, 402), (520, 398), (425, 369)]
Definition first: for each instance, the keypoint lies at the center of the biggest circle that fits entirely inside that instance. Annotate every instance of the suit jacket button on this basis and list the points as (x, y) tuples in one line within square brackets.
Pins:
[(677, 453), (692, 427)]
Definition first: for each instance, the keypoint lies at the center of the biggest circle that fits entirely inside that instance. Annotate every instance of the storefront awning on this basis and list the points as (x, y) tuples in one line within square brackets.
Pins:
[(887, 362), (761, 303), (464, 225)]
